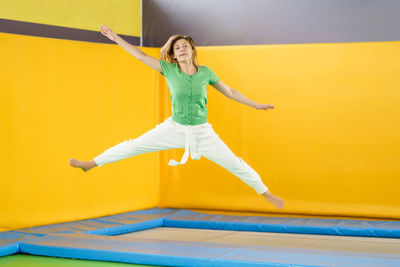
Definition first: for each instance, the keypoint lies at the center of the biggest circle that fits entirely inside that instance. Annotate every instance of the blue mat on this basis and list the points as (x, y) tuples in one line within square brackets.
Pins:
[(190, 219), (9, 242), (94, 240)]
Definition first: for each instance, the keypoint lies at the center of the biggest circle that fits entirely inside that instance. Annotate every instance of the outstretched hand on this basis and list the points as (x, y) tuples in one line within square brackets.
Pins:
[(264, 106), (108, 32)]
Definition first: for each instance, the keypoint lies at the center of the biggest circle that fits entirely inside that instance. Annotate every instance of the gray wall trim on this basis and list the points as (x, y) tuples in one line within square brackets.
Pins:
[(50, 31)]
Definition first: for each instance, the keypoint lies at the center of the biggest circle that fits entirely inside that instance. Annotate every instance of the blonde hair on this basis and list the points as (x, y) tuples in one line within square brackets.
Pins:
[(167, 51)]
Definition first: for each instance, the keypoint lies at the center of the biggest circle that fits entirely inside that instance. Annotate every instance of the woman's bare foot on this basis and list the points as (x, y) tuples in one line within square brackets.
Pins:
[(84, 165), (276, 201)]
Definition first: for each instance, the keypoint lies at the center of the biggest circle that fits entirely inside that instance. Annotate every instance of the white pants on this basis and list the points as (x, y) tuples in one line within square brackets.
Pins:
[(199, 140)]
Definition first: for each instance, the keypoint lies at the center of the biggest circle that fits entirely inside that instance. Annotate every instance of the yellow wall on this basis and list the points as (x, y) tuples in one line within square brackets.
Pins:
[(63, 99), (123, 16), (330, 147)]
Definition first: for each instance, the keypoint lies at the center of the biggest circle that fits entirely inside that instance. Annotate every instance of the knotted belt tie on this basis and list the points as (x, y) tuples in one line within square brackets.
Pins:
[(190, 146)]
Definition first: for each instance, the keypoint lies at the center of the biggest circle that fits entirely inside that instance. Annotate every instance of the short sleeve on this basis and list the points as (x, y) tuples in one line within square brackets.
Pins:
[(213, 78), (165, 66)]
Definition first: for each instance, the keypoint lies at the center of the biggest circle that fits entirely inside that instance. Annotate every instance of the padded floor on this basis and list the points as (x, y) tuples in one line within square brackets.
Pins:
[(187, 238)]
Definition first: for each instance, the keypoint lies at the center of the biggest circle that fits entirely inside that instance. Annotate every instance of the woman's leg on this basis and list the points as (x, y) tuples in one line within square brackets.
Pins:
[(214, 149), (163, 136)]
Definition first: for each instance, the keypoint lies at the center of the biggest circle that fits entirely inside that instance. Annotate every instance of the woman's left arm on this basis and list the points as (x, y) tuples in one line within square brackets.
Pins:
[(239, 97)]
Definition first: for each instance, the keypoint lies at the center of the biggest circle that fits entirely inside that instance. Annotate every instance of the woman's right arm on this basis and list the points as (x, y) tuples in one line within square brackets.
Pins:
[(133, 50)]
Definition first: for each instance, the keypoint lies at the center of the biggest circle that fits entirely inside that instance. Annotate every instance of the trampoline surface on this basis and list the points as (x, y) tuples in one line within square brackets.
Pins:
[(274, 240)]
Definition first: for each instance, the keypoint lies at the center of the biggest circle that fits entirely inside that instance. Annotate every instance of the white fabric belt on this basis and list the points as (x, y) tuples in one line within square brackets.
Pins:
[(190, 145)]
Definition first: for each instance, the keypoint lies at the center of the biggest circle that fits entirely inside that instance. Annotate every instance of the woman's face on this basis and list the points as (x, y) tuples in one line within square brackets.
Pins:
[(183, 50)]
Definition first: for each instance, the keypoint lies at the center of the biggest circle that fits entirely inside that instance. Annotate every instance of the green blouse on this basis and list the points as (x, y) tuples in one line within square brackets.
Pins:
[(188, 92)]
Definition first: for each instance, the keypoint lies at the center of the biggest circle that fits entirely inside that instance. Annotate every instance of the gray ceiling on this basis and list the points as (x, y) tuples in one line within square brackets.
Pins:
[(245, 22)]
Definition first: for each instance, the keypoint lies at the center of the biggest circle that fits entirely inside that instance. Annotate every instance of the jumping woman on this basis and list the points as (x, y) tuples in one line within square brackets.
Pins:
[(187, 127)]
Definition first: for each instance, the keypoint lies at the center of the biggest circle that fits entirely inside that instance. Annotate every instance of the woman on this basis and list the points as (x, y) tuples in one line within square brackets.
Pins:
[(187, 127)]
